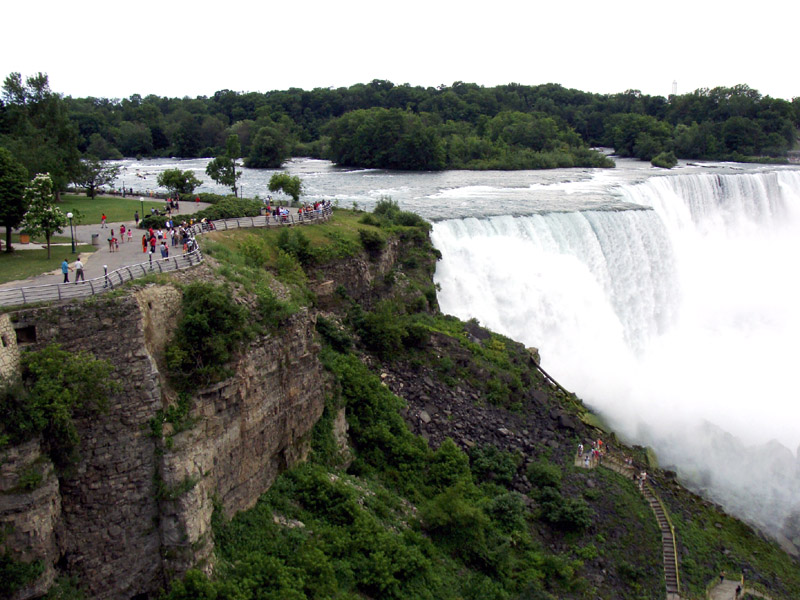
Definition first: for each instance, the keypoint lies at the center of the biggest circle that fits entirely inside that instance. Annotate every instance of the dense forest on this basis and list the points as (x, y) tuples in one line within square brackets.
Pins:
[(383, 125)]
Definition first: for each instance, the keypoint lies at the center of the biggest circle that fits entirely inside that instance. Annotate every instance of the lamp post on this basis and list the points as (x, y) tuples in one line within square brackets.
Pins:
[(141, 200), (71, 231)]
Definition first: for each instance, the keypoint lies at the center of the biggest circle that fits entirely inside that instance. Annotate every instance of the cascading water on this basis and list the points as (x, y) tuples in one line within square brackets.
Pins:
[(678, 322)]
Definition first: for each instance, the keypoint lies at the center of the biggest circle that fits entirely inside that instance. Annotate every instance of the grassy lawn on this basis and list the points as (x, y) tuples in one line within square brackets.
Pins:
[(26, 263), (117, 209)]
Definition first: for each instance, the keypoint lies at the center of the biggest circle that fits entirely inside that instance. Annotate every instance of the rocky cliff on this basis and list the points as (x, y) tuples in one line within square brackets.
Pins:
[(137, 507)]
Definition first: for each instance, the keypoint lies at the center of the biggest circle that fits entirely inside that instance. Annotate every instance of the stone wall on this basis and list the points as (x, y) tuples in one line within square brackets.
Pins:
[(29, 517), (9, 353), (137, 510)]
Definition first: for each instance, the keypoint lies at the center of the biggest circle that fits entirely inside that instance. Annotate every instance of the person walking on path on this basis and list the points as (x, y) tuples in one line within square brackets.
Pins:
[(144, 242), (65, 269), (79, 270), (136, 217), (103, 221)]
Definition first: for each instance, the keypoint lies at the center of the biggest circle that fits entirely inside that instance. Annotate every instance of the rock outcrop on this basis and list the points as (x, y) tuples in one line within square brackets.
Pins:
[(137, 507)]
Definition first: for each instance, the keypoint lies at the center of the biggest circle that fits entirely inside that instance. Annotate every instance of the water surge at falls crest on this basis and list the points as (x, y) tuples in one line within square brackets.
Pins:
[(677, 321)]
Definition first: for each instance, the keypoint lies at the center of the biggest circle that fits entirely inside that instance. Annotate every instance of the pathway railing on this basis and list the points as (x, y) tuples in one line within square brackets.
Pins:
[(13, 296), (83, 289)]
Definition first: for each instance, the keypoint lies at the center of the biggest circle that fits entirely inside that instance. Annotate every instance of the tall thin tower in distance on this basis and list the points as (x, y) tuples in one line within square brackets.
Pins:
[(674, 87)]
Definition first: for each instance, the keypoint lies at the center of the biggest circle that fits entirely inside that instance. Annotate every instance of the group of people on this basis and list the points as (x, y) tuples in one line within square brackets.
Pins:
[(179, 236), (593, 456), (78, 268), (281, 213), (113, 242)]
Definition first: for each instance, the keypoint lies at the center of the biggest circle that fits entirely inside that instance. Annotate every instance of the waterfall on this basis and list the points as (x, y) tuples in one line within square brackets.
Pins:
[(677, 321)]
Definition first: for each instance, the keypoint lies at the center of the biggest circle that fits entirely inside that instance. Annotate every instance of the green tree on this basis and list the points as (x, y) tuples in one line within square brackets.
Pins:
[(222, 169), (37, 129), (43, 216), (99, 147), (13, 178), (179, 182), (268, 150), (288, 184), (94, 174)]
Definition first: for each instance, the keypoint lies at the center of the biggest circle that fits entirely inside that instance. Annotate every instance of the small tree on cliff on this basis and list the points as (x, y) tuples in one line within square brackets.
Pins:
[(43, 216), (288, 184)]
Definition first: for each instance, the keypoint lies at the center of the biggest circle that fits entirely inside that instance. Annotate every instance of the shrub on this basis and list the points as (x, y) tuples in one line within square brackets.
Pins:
[(230, 207), (456, 522), (572, 514), (210, 327), (295, 242), (55, 386), (154, 221), (372, 241), (490, 464), (665, 160), (333, 335), (508, 511), (15, 574), (271, 310), (207, 197), (448, 466), (255, 252), (543, 474)]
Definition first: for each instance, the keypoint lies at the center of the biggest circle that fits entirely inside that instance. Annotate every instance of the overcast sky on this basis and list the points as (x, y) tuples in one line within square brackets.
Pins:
[(177, 48)]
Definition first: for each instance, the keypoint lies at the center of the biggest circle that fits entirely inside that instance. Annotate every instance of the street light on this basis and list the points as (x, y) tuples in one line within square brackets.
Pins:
[(142, 202), (71, 231)]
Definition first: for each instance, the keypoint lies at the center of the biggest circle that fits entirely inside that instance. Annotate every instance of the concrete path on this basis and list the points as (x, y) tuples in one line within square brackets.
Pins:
[(724, 591), (130, 253)]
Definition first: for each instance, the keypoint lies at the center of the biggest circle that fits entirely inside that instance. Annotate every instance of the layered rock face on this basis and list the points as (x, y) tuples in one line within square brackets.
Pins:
[(137, 508)]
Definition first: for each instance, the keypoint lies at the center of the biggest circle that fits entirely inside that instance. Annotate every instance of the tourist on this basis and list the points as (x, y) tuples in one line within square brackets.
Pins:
[(130, 234), (103, 221), (136, 217), (122, 233), (65, 269), (79, 270), (144, 242), (164, 250)]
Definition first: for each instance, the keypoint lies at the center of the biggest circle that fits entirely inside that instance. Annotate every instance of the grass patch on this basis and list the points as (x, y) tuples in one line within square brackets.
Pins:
[(116, 209), (19, 265)]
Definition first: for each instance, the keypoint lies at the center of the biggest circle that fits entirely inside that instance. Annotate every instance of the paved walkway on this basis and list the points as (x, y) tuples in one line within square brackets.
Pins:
[(129, 253), (724, 591)]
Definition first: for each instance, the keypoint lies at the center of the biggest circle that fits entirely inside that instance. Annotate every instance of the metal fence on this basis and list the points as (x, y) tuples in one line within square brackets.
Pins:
[(98, 285)]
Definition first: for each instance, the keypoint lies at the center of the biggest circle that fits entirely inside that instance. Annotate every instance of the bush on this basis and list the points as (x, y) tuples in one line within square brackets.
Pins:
[(571, 514), (333, 335), (665, 160), (294, 242), (15, 574), (271, 310), (372, 241), (543, 474), (490, 464), (55, 386), (154, 221), (210, 327), (230, 207)]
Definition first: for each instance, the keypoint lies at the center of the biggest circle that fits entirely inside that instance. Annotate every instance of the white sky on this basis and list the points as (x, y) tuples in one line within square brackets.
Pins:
[(179, 48)]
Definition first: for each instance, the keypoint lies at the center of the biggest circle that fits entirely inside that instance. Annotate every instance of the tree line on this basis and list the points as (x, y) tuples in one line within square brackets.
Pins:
[(383, 125)]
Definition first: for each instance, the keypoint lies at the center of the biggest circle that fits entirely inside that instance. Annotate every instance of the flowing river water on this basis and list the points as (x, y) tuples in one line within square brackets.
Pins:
[(667, 300)]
